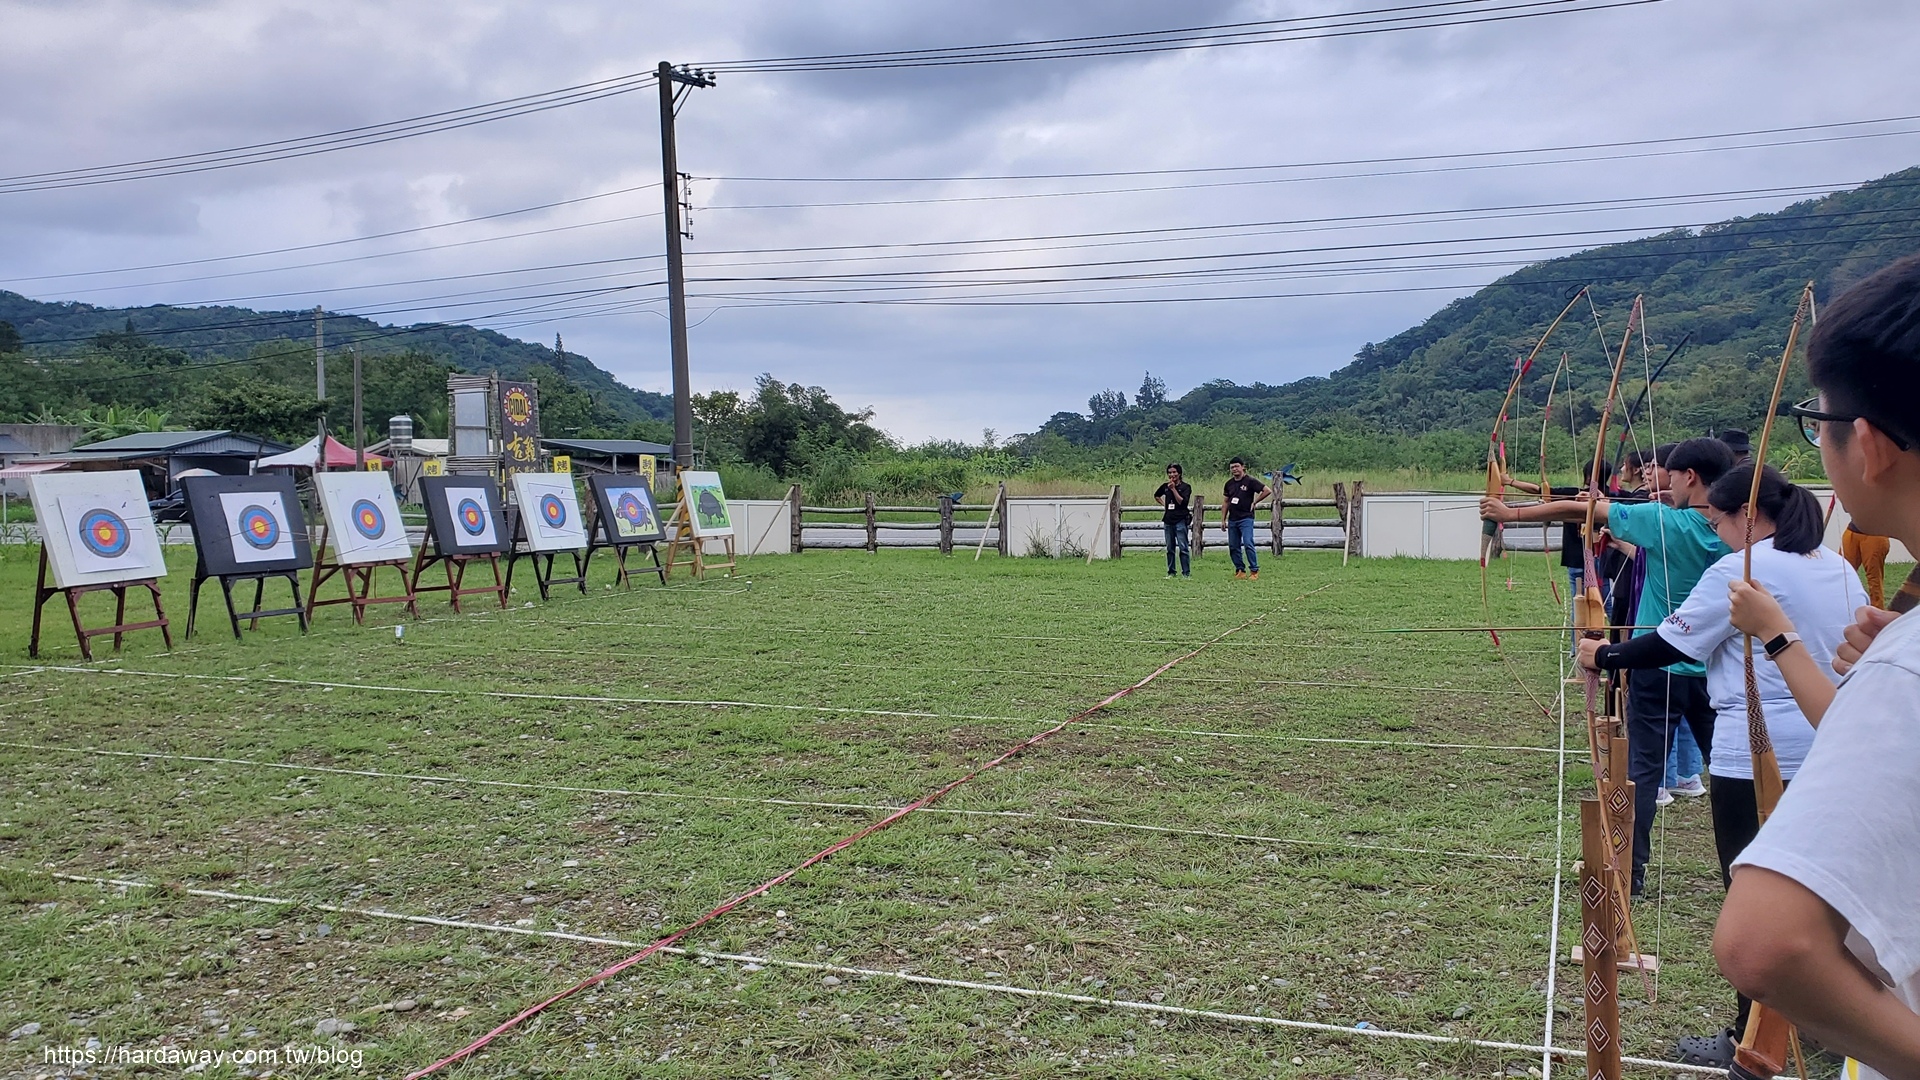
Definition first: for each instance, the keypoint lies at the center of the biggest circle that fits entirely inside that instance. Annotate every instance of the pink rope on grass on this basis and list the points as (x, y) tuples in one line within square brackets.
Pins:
[(825, 853)]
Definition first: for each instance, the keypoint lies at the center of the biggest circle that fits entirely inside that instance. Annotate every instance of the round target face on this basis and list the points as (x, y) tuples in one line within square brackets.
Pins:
[(368, 519), (259, 528), (104, 533), (553, 510), (472, 518), (630, 510)]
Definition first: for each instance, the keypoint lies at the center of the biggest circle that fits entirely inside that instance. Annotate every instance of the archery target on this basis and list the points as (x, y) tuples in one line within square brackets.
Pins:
[(706, 504), (363, 520), (471, 509), (96, 527), (257, 529), (551, 511), (627, 511), (472, 519)]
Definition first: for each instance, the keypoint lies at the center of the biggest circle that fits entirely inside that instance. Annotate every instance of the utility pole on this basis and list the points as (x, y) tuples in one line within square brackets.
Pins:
[(320, 383), (359, 432), (669, 80)]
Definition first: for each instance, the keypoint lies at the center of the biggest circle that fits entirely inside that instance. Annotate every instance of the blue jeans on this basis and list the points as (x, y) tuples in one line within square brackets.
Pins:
[(1239, 539), (1180, 539), (1684, 759)]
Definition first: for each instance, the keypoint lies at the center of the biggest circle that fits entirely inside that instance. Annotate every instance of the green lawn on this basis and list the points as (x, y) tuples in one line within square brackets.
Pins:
[(1306, 821)]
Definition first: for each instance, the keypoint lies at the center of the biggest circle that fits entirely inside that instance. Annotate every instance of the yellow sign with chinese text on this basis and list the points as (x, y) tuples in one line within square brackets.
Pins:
[(563, 463)]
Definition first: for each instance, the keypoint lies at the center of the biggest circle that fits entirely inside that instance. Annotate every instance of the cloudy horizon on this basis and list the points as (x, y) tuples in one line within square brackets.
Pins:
[(821, 251)]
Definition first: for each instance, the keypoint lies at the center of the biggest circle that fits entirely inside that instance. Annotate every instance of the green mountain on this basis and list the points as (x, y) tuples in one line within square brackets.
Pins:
[(1728, 290), (94, 346)]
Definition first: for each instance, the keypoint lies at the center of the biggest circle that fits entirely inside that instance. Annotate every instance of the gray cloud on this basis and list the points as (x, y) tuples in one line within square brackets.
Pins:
[(102, 82)]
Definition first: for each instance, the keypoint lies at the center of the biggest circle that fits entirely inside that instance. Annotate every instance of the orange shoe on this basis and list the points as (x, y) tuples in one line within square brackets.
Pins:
[(1254, 576), (1240, 574)]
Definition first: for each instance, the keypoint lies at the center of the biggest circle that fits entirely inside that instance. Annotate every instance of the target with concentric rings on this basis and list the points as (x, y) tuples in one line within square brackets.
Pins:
[(472, 516), (553, 511), (259, 528), (104, 533), (367, 519)]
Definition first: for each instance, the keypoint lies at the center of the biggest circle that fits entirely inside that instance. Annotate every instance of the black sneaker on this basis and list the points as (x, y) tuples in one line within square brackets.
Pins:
[(1715, 1051)]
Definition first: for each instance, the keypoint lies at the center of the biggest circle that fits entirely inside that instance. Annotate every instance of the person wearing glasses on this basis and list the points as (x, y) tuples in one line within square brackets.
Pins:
[(1821, 921), (1817, 588), (1679, 546)]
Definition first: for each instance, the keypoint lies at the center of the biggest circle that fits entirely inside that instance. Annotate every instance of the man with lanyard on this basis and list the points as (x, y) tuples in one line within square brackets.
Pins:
[(1822, 921), (1176, 515), (1679, 545), (1244, 492)]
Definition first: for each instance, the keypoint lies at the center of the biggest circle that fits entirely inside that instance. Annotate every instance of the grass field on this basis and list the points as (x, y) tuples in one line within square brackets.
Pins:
[(1306, 820)]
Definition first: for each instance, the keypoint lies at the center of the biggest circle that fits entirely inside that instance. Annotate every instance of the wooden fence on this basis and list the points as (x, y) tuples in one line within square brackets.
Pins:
[(948, 524)]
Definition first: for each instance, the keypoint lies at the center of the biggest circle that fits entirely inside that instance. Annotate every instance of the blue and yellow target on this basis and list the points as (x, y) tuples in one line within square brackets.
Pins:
[(472, 517), (553, 511), (367, 519), (104, 533), (630, 510), (259, 528)]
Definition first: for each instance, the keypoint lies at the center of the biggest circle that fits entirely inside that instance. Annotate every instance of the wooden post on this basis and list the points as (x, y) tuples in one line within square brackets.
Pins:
[(873, 529), (1356, 507), (1114, 532), (946, 524), (1005, 542), (1277, 523), (1599, 927), (1199, 523), (795, 544)]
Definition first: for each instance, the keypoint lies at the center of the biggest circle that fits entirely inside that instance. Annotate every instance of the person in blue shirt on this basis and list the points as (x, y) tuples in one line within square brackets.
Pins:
[(1679, 545)]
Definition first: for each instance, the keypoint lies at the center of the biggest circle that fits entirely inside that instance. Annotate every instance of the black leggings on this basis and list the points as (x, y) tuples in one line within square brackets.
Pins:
[(1736, 821)]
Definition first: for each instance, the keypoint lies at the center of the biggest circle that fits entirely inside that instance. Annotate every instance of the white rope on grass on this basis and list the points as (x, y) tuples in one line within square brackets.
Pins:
[(812, 804), (516, 695), (1559, 861), (1212, 1015), (1392, 744)]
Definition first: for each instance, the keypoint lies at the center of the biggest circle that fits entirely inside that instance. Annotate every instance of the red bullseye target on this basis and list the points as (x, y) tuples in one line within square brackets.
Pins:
[(553, 510), (368, 520), (471, 516), (104, 533), (259, 528)]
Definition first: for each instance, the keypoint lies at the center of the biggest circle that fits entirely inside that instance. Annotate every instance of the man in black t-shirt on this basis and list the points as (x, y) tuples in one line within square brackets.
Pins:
[(1176, 517), (1244, 492)]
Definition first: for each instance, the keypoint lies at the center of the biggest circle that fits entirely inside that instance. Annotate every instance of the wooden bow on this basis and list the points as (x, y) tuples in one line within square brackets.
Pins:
[(1769, 1036)]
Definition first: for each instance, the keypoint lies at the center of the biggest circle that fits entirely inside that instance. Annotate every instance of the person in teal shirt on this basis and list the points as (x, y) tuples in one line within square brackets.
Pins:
[(1680, 545)]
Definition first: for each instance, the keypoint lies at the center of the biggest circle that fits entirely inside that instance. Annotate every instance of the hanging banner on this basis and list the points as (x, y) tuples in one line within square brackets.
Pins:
[(519, 428)]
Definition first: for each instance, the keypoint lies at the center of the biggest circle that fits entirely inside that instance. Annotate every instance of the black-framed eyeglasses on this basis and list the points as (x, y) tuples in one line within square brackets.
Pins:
[(1811, 418)]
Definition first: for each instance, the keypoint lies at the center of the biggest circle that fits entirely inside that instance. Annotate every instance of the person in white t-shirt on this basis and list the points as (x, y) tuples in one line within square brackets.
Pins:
[(1817, 588), (1822, 920)]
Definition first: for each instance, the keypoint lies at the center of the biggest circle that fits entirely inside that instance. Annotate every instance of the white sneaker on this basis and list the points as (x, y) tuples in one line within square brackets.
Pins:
[(1690, 786), (1663, 797)]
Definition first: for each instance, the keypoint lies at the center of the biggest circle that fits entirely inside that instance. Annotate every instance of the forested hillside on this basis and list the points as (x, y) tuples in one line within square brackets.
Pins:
[(234, 367), (1732, 287)]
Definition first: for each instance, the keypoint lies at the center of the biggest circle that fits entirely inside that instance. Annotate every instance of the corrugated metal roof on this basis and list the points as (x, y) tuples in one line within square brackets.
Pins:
[(159, 443), (609, 447)]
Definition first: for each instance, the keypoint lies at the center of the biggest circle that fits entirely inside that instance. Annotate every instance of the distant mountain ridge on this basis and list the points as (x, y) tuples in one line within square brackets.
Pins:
[(221, 333), (1731, 286)]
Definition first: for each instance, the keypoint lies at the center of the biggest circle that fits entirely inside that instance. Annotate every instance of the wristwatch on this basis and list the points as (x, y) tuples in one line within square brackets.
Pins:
[(1779, 644)]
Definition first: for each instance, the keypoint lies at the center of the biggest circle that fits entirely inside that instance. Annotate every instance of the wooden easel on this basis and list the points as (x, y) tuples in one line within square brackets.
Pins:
[(42, 593), (623, 576), (253, 617), (360, 574), (542, 571), (680, 535), (456, 567)]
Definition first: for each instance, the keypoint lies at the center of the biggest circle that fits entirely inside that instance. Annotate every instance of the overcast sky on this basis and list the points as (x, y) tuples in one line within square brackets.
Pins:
[(88, 84)]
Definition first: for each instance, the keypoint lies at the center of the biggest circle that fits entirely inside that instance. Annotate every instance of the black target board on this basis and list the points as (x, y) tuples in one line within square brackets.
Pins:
[(247, 525), (464, 515), (627, 512)]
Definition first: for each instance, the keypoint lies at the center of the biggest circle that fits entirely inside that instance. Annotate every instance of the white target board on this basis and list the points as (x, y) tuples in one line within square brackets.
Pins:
[(363, 521), (96, 527), (550, 510), (257, 526)]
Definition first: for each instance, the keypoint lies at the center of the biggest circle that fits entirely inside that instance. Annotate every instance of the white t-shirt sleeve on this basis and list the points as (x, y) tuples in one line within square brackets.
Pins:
[(1846, 826), (1705, 618)]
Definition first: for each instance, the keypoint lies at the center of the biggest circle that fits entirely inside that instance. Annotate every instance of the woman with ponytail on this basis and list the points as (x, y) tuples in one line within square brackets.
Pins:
[(1817, 590)]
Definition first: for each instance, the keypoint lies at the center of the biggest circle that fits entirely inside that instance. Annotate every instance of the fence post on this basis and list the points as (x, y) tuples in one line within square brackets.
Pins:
[(946, 524), (1000, 503), (1276, 522), (1114, 532), (1356, 517), (794, 543), (1199, 544), (873, 530)]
